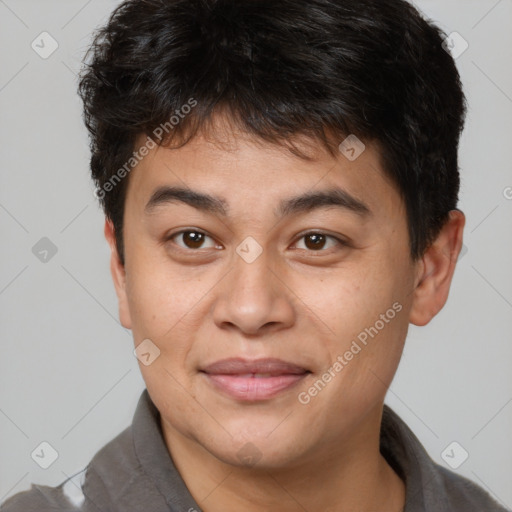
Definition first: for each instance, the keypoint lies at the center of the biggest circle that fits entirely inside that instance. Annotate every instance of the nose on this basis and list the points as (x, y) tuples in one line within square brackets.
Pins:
[(254, 298)]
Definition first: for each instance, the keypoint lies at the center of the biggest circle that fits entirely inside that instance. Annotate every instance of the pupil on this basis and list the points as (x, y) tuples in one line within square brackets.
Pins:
[(318, 241), (193, 239)]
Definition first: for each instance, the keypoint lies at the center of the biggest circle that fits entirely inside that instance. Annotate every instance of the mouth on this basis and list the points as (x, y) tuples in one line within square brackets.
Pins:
[(253, 381)]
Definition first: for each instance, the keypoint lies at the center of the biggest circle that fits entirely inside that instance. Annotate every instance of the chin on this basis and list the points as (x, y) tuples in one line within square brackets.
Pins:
[(253, 456), (262, 448)]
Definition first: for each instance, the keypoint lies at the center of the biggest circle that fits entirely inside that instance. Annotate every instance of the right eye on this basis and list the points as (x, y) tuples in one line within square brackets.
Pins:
[(192, 239)]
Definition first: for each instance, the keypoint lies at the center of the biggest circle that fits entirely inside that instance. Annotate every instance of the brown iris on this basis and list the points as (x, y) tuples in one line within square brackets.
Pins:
[(193, 239), (315, 241)]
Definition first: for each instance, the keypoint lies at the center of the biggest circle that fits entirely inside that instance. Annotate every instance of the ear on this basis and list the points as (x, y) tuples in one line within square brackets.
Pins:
[(118, 276), (435, 270)]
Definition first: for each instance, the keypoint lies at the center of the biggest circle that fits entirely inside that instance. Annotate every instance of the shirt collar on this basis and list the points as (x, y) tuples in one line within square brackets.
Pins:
[(399, 446), (154, 457)]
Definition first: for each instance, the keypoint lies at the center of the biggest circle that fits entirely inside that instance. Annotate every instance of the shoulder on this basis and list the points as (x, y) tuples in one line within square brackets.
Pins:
[(430, 487), (461, 494), (89, 489), (41, 498)]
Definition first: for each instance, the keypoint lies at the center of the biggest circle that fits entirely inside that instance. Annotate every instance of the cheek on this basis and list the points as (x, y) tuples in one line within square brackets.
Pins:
[(349, 299), (364, 308), (159, 297)]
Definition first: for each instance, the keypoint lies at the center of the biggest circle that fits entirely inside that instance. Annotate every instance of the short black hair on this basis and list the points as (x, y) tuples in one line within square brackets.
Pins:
[(324, 69)]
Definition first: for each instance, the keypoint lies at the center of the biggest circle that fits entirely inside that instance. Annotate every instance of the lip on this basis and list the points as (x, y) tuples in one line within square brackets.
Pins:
[(253, 380)]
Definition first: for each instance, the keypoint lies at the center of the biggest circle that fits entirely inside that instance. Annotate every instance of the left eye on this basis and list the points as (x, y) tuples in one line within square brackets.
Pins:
[(319, 241)]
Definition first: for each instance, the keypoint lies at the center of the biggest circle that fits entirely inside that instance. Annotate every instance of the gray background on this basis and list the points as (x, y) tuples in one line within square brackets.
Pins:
[(67, 372)]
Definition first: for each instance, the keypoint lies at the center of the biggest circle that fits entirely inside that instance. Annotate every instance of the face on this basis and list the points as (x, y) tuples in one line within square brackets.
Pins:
[(275, 292)]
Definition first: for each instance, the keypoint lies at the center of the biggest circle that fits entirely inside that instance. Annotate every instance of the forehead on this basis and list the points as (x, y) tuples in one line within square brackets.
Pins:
[(232, 165)]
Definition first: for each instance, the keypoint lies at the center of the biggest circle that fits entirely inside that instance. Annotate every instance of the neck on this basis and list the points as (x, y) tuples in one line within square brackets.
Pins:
[(351, 475)]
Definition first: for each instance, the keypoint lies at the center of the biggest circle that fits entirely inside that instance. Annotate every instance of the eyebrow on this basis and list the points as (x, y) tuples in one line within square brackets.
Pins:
[(204, 202), (309, 201)]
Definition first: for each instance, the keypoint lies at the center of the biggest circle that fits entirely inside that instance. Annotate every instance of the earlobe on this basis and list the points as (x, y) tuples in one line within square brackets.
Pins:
[(436, 269), (118, 273)]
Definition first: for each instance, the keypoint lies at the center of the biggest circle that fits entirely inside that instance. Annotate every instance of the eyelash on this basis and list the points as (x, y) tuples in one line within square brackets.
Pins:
[(342, 243)]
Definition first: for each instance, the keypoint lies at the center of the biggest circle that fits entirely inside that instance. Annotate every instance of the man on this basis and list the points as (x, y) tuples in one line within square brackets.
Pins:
[(280, 184)]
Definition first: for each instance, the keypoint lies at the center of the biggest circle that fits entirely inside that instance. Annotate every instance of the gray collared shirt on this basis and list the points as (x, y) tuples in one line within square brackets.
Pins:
[(134, 473)]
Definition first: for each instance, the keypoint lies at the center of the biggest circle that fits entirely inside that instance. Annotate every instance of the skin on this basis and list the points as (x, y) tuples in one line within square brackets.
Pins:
[(296, 302)]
